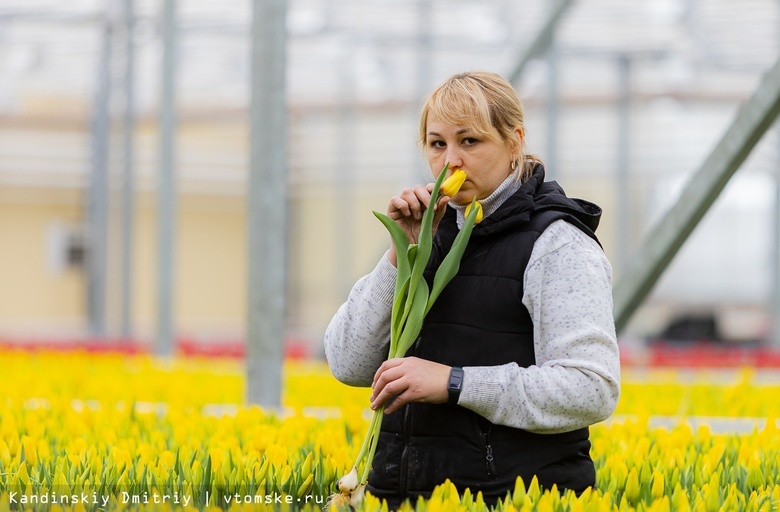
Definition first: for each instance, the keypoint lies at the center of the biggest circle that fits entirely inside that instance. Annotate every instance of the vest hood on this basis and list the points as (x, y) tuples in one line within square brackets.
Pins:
[(536, 196)]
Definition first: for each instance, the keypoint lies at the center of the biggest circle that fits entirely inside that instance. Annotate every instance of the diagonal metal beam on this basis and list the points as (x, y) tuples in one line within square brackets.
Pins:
[(542, 41), (753, 119)]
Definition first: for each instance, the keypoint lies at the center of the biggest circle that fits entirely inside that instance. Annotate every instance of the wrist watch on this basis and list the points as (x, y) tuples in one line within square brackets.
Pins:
[(455, 384)]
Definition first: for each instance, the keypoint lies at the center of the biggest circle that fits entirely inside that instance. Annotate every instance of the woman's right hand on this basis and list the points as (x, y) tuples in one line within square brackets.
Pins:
[(407, 209)]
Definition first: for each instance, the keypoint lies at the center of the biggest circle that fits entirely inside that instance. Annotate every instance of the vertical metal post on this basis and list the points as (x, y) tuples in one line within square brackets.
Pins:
[(623, 218), (775, 297), (424, 52), (128, 178), (166, 191), (97, 207), (553, 112), (345, 174), (267, 199), (424, 46), (775, 250)]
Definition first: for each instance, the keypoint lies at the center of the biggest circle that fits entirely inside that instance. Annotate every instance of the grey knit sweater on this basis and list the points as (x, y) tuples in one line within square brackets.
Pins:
[(568, 293)]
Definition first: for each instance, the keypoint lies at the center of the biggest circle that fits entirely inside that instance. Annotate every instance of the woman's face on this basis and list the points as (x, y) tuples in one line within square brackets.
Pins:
[(486, 160)]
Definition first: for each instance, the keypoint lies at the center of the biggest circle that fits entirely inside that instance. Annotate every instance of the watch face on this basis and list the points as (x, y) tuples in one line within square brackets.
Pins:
[(456, 378), (455, 381), (453, 387)]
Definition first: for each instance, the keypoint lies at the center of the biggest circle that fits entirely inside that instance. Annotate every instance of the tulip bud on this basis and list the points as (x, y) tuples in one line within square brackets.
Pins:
[(632, 486), (348, 482), (478, 206), (452, 184), (657, 488)]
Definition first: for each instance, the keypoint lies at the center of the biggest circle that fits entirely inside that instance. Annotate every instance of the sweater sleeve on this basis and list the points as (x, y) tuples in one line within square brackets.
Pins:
[(576, 379), (358, 336)]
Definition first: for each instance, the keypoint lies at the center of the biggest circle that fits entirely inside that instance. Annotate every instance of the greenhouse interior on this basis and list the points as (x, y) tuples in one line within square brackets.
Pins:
[(188, 194)]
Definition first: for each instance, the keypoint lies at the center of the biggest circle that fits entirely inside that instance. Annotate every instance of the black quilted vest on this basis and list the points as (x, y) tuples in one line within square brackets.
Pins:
[(480, 320)]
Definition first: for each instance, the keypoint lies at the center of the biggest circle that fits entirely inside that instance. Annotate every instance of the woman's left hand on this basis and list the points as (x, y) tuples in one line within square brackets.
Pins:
[(409, 379)]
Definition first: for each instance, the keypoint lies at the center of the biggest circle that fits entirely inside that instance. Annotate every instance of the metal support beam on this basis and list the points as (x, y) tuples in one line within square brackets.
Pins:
[(552, 171), (346, 171), (419, 172), (542, 41), (774, 299), (128, 185), (424, 50), (97, 202), (775, 262), (753, 119), (623, 218), (267, 204), (166, 189)]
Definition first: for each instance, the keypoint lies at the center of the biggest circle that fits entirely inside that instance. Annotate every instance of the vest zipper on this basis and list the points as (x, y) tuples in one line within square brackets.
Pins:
[(489, 460), (405, 453)]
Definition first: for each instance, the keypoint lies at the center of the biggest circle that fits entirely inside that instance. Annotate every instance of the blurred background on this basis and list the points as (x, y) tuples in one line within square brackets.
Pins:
[(624, 101)]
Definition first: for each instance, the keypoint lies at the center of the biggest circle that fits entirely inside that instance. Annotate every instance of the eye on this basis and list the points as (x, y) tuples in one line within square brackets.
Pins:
[(437, 144), (469, 141)]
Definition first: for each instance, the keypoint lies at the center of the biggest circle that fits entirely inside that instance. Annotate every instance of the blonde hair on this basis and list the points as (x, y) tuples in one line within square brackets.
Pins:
[(480, 100)]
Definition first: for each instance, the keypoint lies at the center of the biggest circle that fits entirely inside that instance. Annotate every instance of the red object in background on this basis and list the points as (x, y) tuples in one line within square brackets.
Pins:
[(657, 354), (74, 345), (710, 355), (700, 354), (293, 349)]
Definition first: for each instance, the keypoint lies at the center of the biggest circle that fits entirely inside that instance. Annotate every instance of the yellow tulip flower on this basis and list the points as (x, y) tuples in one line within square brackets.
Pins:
[(452, 184), (478, 206)]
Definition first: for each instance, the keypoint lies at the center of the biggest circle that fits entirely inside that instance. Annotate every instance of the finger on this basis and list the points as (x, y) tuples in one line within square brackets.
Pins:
[(398, 402), (387, 390), (390, 363), (443, 200), (440, 209), (404, 205), (398, 208), (416, 198), (423, 195), (387, 377)]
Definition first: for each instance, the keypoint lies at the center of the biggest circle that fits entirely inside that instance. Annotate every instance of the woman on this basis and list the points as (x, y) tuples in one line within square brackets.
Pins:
[(518, 356)]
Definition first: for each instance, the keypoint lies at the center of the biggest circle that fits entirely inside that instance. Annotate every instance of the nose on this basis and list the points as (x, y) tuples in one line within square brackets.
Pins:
[(454, 157)]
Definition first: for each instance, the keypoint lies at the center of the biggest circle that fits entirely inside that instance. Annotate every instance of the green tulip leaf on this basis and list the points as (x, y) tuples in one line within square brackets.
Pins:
[(401, 243), (451, 263), (414, 321)]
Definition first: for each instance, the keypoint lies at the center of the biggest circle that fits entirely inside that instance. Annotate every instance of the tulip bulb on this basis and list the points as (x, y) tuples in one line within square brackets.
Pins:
[(349, 482), (478, 206), (452, 184)]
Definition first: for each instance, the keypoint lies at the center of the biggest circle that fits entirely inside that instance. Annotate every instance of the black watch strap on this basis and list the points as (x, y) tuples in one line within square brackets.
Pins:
[(455, 385)]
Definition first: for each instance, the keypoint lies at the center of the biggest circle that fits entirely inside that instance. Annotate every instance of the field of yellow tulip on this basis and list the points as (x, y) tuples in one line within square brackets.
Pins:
[(82, 431)]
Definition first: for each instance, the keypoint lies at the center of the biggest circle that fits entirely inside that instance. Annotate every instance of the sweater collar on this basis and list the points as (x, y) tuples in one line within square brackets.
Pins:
[(512, 204), (512, 201), (490, 204)]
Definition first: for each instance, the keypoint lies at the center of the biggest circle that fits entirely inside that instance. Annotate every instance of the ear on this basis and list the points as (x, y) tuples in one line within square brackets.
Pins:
[(520, 134), (518, 141)]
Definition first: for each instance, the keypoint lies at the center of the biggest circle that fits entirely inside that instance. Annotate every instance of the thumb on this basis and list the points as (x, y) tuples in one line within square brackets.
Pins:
[(441, 209)]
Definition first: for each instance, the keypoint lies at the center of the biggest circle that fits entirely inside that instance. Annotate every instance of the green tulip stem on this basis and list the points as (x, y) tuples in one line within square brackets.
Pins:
[(412, 297), (365, 445), (373, 435)]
